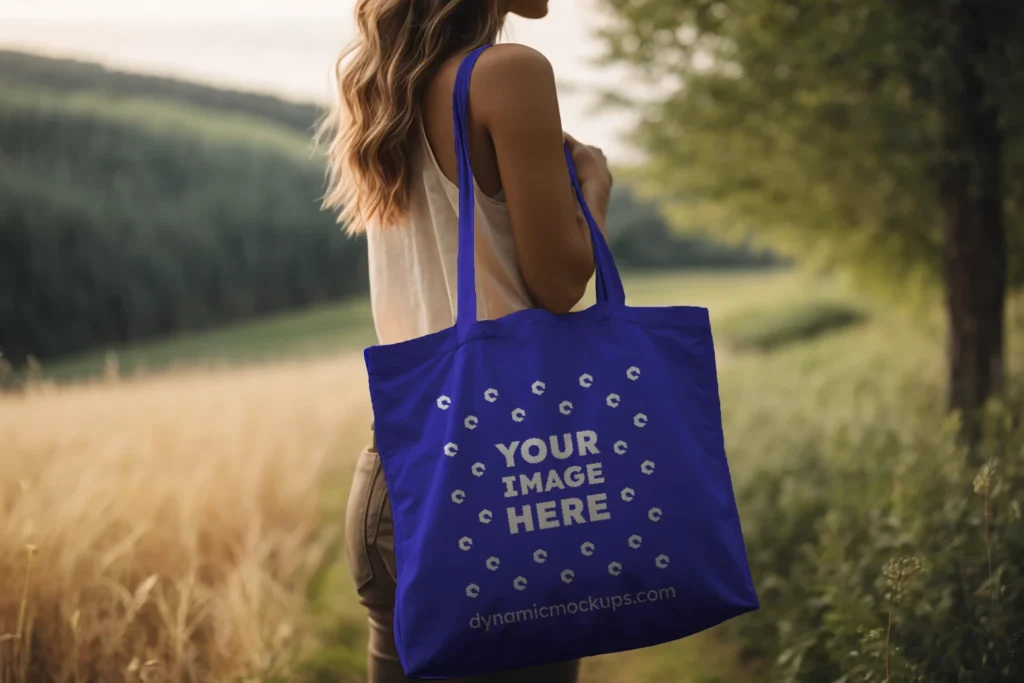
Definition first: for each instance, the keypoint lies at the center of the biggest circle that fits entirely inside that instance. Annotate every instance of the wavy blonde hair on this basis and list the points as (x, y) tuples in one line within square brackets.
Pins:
[(381, 79)]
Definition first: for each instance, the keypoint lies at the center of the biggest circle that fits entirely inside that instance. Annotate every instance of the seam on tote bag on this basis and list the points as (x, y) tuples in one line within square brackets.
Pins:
[(406, 352)]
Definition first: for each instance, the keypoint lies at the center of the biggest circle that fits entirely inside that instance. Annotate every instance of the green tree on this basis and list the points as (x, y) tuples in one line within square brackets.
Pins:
[(879, 134)]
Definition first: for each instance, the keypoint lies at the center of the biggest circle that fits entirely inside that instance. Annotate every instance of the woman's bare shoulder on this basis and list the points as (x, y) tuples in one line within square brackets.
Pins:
[(513, 59), (511, 79)]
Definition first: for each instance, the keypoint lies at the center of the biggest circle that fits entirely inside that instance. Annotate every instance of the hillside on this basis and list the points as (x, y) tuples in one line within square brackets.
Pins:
[(64, 75), (127, 218)]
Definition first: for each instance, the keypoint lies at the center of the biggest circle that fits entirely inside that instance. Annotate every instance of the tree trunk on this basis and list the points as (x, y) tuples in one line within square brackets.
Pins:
[(975, 259)]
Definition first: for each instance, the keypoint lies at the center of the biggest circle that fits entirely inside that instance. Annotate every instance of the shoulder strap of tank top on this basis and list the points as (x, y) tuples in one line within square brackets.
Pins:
[(609, 284)]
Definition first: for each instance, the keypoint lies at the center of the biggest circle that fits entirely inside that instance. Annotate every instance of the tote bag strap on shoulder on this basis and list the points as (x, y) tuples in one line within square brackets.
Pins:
[(609, 284)]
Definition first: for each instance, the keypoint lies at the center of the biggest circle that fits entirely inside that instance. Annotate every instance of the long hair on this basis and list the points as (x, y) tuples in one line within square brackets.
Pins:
[(381, 78)]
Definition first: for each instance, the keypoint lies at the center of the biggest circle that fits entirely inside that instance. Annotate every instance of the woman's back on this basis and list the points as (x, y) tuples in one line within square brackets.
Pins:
[(413, 266)]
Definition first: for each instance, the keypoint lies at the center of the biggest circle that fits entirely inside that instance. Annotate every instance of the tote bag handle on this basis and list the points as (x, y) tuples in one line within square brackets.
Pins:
[(609, 284)]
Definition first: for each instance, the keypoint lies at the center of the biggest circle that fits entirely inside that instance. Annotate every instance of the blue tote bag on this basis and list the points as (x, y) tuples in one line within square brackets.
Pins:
[(559, 483)]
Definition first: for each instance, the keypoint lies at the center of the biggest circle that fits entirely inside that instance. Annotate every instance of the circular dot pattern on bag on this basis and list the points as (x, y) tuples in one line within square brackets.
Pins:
[(561, 481)]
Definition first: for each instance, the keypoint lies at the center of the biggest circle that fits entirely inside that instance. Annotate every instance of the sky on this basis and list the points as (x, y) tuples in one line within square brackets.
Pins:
[(287, 47)]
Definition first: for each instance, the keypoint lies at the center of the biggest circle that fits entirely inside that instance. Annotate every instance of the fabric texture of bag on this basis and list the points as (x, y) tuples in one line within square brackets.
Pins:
[(559, 483)]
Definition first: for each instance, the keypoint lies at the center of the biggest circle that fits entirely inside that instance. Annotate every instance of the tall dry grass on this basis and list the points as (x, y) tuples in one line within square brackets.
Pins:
[(164, 529)]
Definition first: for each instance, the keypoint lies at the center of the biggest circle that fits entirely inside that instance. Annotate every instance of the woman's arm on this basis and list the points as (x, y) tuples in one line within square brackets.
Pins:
[(513, 96)]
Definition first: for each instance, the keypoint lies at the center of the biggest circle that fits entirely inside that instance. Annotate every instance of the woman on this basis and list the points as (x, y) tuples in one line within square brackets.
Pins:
[(393, 175)]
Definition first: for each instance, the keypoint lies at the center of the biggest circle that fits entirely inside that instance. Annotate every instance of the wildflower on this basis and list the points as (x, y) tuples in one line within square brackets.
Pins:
[(984, 482), (896, 573), (986, 478), (873, 634)]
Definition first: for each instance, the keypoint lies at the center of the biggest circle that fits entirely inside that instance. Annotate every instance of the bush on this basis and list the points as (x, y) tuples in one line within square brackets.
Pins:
[(879, 556), (764, 329), (640, 238)]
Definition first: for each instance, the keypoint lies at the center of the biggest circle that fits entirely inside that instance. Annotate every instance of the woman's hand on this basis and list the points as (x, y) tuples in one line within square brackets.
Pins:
[(594, 176), (591, 164)]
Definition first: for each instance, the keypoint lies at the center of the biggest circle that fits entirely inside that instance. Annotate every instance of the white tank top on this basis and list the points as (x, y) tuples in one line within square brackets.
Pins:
[(413, 265)]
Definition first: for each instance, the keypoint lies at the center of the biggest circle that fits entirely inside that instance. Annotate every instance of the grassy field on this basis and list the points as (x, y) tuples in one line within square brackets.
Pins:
[(348, 326), (317, 331), (186, 525)]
